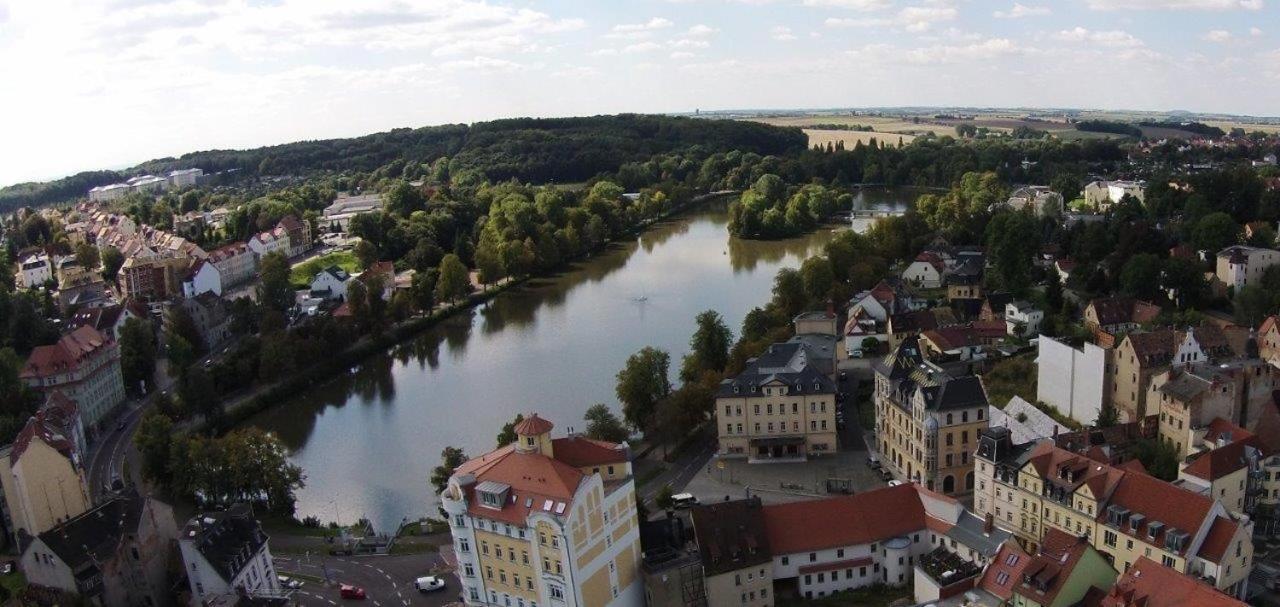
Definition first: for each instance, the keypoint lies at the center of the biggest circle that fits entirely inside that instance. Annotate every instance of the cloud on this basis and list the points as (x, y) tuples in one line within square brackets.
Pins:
[(641, 47), (1218, 36), (857, 5), (986, 50), (1255, 32), (681, 55), (781, 33), (655, 23), (1201, 5), (1021, 10), (910, 18), (1110, 38), (701, 30)]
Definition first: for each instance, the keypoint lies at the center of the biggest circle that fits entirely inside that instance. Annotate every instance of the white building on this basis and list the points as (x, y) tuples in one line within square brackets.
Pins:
[(330, 283), (1102, 194), (1021, 318), (105, 193), (1240, 266), (184, 177), (271, 241), (1040, 199), (1072, 381), (35, 270), (204, 277), (927, 271), (226, 553)]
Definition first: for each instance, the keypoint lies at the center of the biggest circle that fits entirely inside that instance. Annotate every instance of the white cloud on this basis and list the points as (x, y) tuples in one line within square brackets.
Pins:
[(1203, 5), (688, 43), (701, 30), (781, 33), (910, 18), (641, 47), (681, 55), (1255, 32), (867, 22), (1217, 36), (1109, 38), (986, 50), (655, 23), (857, 5), (1021, 10)]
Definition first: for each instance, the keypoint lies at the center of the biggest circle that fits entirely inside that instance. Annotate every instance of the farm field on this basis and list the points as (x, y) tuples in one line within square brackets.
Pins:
[(851, 138)]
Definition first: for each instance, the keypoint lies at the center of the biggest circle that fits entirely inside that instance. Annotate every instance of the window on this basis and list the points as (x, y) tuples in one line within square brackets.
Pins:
[(464, 545), (484, 548), (468, 570), (785, 560), (840, 553), (555, 592), (1167, 561), (813, 556)]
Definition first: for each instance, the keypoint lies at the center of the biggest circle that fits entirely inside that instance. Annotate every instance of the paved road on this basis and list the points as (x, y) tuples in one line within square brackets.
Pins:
[(387, 580), (679, 473), (114, 445)]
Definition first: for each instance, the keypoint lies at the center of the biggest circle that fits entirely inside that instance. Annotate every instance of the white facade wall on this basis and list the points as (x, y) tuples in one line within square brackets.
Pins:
[(36, 271), (324, 280), (923, 273), (207, 279), (1071, 380), (258, 574)]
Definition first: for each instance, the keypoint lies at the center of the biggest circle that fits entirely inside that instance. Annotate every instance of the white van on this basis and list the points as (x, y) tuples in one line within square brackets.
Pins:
[(684, 500)]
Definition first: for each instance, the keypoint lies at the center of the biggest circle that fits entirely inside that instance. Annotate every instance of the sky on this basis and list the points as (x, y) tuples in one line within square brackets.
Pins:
[(90, 84)]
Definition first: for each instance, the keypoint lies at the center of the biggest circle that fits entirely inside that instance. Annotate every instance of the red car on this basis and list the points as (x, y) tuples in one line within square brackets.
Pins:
[(351, 592)]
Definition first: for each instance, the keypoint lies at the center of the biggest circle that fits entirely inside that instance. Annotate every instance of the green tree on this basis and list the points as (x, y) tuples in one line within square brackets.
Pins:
[(1107, 416), (87, 256), (112, 260), (603, 425), (642, 383), (198, 394), (508, 433), (154, 440), (1216, 231), (453, 281), (275, 292), (1012, 245), (403, 199), (366, 253), (1140, 276), (1159, 457), (817, 277), (708, 347), (181, 354), (788, 292), (450, 459), (137, 354), (423, 289), (665, 498)]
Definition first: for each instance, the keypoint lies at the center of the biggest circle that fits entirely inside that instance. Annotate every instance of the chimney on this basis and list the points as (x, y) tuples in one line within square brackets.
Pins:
[(988, 525)]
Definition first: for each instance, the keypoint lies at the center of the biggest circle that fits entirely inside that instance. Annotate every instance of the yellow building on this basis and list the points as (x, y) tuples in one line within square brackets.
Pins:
[(40, 473), (927, 421), (1125, 513), (546, 522), (780, 407)]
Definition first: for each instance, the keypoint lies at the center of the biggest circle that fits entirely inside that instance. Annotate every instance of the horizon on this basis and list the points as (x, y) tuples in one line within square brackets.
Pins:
[(127, 81)]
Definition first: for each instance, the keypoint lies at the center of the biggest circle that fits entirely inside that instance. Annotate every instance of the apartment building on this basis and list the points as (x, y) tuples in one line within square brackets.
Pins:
[(1125, 513), (41, 473), (84, 365), (1110, 316), (546, 522), (733, 544), (298, 232), (1239, 266), (927, 420), (34, 270), (226, 554), (782, 406), (1191, 398), (1063, 573), (1040, 199)]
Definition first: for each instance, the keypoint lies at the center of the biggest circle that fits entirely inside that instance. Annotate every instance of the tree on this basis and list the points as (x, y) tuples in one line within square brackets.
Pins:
[(788, 292), (403, 199), (137, 354), (154, 441), (422, 290), (1216, 231), (665, 498), (366, 253), (453, 281), (1011, 244), (642, 383), (275, 292), (1107, 416), (508, 433), (112, 259), (450, 459), (198, 394), (603, 425), (817, 278), (1159, 457), (181, 354), (708, 348), (87, 256), (182, 325), (1140, 276)]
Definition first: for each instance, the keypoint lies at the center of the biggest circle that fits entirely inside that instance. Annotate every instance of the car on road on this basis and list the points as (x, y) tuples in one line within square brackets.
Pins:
[(684, 500), (355, 593), (288, 582), (894, 482), (886, 475), (873, 461), (429, 583)]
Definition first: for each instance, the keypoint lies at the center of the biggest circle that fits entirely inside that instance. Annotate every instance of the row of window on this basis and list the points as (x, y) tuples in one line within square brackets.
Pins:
[(814, 426), (736, 410)]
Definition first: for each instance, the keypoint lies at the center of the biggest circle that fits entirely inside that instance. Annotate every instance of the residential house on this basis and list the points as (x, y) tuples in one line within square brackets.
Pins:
[(733, 545), (203, 277), (85, 291), (1230, 473), (237, 264), (889, 296), (1192, 396), (1041, 200), (1102, 194), (817, 322), (566, 506), (34, 270), (1064, 267), (965, 281), (1268, 339), (927, 421), (1150, 584), (995, 588), (85, 366), (781, 406), (41, 473), (116, 554), (1063, 572), (927, 271), (994, 306), (1239, 266), (1111, 316), (1122, 512), (184, 178), (1074, 381), (226, 553), (1022, 319), (110, 319), (298, 232), (385, 272), (211, 316), (275, 240), (969, 341), (330, 283), (1139, 357), (908, 324)]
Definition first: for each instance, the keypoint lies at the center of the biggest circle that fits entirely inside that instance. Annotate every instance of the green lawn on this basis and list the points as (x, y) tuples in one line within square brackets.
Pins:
[(14, 582), (302, 273)]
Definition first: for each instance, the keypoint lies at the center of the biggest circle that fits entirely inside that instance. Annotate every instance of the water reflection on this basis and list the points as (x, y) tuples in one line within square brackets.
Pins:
[(553, 346)]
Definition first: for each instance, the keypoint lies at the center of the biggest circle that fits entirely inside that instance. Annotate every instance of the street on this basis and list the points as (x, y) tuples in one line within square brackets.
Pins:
[(386, 580), (107, 455)]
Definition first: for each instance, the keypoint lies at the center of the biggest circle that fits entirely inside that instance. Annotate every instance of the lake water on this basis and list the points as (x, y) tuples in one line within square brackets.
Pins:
[(367, 441)]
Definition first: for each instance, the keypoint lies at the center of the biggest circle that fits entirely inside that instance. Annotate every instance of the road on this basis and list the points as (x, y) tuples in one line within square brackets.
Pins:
[(114, 445), (679, 473), (387, 580)]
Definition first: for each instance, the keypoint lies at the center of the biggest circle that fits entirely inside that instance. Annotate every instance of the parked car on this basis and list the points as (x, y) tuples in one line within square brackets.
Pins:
[(429, 583), (288, 582), (894, 482), (7, 568), (886, 475), (347, 591), (873, 461), (684, 500)]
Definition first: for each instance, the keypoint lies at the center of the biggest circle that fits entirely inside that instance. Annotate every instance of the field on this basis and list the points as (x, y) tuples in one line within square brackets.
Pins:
[(302, 273), (850, 138)]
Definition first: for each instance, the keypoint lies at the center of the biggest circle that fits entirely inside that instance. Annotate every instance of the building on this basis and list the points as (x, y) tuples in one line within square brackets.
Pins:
[(927, 271), (275, 240), (1102, 194), (1040, 199), (1240, 266), (927, 420), (1111, 316), (116, 554), (1150, 584), (1124, 513), (298, 232), (1138, 358), (330, 283), (110, 319), (967, 342), (1189, 398), (965, 281), (85, 366), (34, 270), (889, 296), (1074, 381), (1269, 339), (203, 277), (782, 406), (41, 472), (907, 324), (232, 265), (184, 178), (211, 316), (153, 278), (671, 565), (1064, 267), (345, 207), (733, 544), (1022, 319), (1062, 573), (818, 322), (1230, 473), (227, 553), (565, 506), (1024, 421)]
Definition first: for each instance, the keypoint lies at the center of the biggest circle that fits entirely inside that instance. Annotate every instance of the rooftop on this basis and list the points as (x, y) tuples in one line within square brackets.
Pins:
[(227, 539)]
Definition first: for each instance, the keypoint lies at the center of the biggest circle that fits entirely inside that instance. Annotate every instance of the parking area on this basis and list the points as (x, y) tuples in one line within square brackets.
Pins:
[(386, 580)]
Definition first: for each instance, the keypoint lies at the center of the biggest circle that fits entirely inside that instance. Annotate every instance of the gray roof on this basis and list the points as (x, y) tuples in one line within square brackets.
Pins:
[(226, 539), (91, 538), (1034, 425), (792, 363), (969, 531)]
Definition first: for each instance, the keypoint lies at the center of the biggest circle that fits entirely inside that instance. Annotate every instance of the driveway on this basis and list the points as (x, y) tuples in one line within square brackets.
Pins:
[(387, 580)]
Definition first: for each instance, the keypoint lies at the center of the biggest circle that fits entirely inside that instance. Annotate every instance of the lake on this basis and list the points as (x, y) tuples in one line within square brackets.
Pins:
[(367, 441)]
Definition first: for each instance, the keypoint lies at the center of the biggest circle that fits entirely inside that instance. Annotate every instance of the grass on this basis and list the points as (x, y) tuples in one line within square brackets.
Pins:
[(302, 273), (1015, 376), (871, 596), (13, 582), (407, 548)]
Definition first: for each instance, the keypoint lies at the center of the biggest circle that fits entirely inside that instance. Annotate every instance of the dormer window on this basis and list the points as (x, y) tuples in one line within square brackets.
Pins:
[(528, 441), (493, 494)]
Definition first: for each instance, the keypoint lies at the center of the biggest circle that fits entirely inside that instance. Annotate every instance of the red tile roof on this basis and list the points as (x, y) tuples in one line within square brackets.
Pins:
[(1150, 584), (1011, 561), (1051, 568), (64, 355), (580, 452), (534, 479), (1160, 501), (53, 426), (873, 516), (533, 425), (1216, 542), (1222, 428), (1224, 460)]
